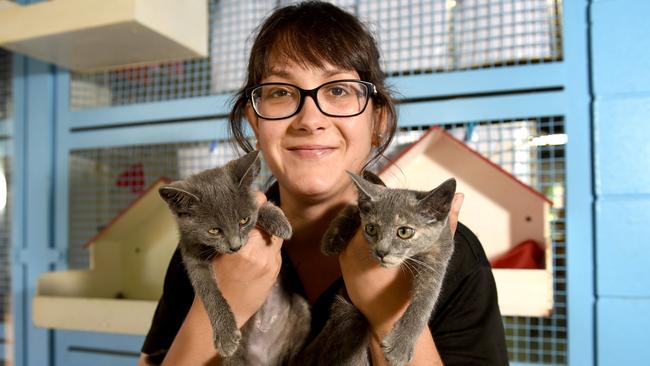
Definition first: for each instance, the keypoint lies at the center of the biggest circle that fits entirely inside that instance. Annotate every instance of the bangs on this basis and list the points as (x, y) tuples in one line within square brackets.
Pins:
[(312, 39), (313, 51)]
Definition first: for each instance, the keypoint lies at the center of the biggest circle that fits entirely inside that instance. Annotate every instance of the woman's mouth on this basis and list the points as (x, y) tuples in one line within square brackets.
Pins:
[(311, 151)]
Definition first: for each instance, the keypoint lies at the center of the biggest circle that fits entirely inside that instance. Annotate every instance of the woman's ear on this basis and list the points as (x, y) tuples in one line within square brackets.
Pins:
[(379, 126), (253, 121)]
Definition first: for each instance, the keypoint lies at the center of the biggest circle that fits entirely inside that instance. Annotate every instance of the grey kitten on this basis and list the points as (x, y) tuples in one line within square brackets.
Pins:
[(215, 211), (403, 228)]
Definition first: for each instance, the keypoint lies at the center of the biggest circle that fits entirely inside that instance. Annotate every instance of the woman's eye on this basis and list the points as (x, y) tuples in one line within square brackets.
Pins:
[(371, 229), (214, 231), (279, 93), (338, 91), (405, 232), (244, 220)]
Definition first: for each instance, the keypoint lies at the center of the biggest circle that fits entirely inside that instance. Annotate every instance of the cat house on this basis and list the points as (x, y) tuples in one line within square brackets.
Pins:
[(85, 35), (500, 209), (120, 291)]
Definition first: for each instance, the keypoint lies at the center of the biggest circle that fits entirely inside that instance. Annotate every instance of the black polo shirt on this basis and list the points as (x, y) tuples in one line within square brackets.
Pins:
[(466, 324)]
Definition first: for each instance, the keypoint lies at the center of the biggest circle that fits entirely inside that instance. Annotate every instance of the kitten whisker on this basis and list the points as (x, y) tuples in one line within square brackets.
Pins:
[(421, 263), (409, 268)]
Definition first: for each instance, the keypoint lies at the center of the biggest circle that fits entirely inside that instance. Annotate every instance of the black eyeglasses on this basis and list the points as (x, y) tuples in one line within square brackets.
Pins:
[(338, 98)]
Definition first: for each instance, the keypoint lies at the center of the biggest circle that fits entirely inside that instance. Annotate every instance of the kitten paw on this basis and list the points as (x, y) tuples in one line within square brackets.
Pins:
[(284, 230), (396, 353), (227, 344), (332, 244), (272, 220)]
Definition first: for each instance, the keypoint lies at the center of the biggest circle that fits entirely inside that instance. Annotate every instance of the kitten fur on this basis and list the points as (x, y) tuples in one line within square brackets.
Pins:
[(403, 228), (215, 211)]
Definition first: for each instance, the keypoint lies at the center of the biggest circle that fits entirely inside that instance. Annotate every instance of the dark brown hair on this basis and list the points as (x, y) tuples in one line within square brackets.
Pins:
[(314, 34)]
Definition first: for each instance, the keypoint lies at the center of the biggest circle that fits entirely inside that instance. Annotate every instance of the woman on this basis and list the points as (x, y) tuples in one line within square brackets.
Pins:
[(317, 51)]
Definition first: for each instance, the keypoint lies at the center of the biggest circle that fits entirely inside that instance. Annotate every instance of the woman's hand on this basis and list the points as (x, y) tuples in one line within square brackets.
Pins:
[(381, 294), (246, 278)]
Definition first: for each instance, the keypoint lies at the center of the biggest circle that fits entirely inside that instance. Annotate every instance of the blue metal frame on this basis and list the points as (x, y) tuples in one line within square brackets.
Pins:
[(483, 108), (517, 78), (33, 203), (564, 91), (580, 197), (86, 348)]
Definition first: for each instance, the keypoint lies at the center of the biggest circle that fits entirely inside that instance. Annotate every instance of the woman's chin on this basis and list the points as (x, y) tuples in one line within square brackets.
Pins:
[(316, 187)]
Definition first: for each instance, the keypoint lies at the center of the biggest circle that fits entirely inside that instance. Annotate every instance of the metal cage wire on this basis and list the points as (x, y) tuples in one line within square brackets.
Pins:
[(415, 36), (107, 179)]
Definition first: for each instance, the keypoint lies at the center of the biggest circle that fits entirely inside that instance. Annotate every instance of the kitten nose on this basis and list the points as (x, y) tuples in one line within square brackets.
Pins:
[(235, 244), (381, 253)]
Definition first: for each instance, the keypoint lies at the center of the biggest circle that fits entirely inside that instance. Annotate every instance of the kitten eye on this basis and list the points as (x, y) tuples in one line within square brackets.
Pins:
[(371, 229), (405, 232), (214, 231), (244, 220)]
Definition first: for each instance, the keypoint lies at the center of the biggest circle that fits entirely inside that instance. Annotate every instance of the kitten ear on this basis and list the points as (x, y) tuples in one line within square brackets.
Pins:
[(373, 178), (177, 197), (366, 189), (245, 169), (437, 202)]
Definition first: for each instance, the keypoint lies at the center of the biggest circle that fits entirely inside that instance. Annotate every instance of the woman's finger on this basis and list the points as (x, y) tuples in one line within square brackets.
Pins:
[(260, 198)]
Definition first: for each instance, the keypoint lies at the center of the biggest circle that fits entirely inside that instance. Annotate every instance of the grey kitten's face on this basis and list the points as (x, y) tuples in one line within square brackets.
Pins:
[(219, 221), (398, 224), (215, 209)]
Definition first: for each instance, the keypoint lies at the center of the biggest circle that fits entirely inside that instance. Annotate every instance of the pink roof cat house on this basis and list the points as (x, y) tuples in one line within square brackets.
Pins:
[(501, 210), (119, 293)]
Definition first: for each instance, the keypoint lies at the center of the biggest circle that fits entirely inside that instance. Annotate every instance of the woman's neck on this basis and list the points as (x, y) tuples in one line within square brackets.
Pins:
[(309, 217), (309, 221)]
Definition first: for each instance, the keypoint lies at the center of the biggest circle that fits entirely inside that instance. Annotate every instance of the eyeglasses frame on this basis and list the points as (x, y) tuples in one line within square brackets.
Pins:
[(372, 90)]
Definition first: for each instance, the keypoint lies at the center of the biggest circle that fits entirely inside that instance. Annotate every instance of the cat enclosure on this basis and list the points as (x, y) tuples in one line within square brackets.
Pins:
[(490, 73)]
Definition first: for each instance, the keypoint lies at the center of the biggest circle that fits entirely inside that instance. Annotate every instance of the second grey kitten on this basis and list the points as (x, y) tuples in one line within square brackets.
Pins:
[(215, 211), (403, 228)]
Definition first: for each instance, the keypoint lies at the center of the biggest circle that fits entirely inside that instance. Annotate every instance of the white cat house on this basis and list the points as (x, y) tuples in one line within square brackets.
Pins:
[(501, 210), (86, 35), (120, 291)]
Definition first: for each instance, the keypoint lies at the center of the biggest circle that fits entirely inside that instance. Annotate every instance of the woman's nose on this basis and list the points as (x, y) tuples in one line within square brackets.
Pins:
[(310, 118)]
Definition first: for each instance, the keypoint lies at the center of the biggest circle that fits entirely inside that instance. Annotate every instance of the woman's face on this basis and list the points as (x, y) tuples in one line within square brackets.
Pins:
[(310, 152)]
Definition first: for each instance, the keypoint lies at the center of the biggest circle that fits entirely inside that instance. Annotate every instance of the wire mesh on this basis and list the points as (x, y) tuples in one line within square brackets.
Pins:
[(106, 180), (416, 36), (5, 84), (531, 149)]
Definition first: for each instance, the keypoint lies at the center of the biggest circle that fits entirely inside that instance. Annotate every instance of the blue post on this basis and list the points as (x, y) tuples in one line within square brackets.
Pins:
[(33, 203)]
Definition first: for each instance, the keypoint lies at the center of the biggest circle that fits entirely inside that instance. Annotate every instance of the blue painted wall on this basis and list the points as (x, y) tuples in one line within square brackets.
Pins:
[(621, 111)]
